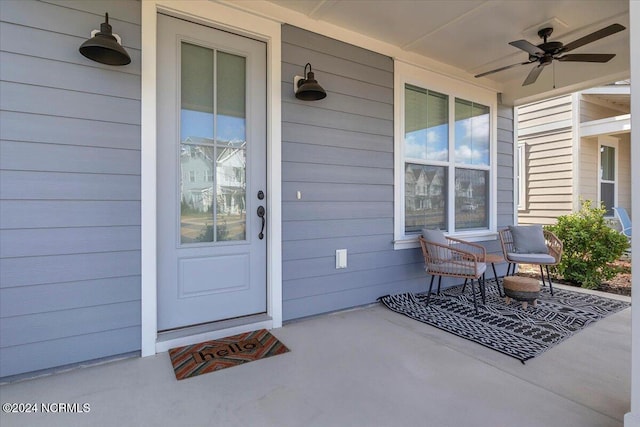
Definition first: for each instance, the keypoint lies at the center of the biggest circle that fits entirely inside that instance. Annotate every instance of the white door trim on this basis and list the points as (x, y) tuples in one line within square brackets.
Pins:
[(239, 22)]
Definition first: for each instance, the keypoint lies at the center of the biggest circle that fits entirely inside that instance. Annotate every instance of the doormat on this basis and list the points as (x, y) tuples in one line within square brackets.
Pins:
[(507, 328), (210, 356)]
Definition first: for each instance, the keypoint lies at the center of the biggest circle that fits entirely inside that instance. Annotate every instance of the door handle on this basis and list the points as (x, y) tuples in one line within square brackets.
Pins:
[(261, 213)]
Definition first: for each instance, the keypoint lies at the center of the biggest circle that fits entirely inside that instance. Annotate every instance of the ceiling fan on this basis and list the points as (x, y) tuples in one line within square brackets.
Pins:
[(546, 52)]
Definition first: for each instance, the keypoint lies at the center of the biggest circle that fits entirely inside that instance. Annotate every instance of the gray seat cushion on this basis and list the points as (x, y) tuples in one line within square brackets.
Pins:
[(436, 236), (458, 268), (528, 239), (531, 258)]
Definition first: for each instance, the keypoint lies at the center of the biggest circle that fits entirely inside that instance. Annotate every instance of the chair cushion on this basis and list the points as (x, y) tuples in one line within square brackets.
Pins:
[(528, 239), (436, 236), (458, 268), (531, 258)]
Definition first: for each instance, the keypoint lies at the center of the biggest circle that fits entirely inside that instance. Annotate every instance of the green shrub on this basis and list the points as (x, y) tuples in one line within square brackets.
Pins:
[(589, 246)]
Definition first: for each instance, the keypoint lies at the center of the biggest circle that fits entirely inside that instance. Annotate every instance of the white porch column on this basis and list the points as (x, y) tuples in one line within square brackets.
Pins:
[(632, 419)]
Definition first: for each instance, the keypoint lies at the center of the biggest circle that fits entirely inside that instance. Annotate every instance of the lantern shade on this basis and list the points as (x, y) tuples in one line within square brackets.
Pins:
[(308, 89), (104, 48)]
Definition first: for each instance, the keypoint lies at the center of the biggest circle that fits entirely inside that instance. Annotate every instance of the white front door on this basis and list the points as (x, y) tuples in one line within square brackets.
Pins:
[(211, 174)]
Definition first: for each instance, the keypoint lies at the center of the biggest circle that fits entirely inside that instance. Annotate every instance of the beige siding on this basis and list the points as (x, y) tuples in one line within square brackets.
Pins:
[(545, 128), (588, 169), (544, 117), (589, 166)]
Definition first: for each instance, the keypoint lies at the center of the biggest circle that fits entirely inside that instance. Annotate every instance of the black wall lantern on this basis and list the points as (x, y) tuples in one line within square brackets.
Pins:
[(307, 88), (105, 47)]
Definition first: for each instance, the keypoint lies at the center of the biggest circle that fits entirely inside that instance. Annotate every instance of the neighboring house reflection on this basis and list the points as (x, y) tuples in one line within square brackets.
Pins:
[(198, 183)]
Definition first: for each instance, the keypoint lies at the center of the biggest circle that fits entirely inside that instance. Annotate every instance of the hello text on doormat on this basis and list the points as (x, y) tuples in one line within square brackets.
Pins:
[(209, 356)]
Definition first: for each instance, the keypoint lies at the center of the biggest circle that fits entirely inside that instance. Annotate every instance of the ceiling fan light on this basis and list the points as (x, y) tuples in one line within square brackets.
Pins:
[(546, 52)]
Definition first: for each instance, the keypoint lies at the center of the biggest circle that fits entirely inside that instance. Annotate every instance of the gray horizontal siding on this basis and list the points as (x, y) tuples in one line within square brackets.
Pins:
[(314, 268), (55, 46), (69, 350), (312, 172), (69, 186), (335, 119), (338, 153), (34, 185), (30, 127), (325, 247), (309, 211), (63, 75), (339, 192), (57, 213), (293, 132), (68, 241), (60, 102), (60, 324), (37, 270), (34, 299), (325, 229), (505, 191), (317, 42), (68, 158)]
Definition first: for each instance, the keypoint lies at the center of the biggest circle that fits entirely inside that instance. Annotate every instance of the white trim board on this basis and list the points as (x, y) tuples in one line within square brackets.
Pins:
[(608, 126), (230, 19)]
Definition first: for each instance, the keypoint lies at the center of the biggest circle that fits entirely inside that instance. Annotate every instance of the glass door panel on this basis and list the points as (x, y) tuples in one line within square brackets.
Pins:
[(231, 164), (213, 155)]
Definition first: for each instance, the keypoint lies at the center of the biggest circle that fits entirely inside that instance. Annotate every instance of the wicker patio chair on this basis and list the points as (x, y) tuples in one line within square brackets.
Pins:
[(552, 257), (451, 257)]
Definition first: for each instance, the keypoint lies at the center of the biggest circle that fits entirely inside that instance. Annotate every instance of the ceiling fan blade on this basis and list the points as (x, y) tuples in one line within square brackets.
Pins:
[(528, 47), (502, 68), (597, 35), (587, 57), (533, 75)]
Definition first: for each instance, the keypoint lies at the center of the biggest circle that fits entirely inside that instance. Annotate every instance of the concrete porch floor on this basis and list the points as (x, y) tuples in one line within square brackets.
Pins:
[(362, 367)]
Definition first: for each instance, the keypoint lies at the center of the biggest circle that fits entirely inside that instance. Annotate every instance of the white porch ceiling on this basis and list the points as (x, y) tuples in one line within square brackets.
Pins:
[(473, 35)]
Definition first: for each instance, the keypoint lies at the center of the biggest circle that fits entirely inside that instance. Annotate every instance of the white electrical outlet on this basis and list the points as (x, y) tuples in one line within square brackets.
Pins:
[(341, 258)]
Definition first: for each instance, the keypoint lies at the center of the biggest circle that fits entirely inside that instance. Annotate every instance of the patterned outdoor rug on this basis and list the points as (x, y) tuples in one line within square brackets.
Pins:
[(509, 329), (210, 356)]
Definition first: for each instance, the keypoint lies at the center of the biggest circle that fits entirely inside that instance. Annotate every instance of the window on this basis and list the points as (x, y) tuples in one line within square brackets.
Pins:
[(607, 176), (426, 148), (444, 158)]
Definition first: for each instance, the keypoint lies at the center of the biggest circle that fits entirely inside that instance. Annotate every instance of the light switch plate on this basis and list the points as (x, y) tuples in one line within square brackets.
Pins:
[(341, 258)]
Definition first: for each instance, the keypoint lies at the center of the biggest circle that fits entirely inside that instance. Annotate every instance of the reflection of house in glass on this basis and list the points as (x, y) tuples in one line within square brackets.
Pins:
[(471, 203), (196, 161), (424, 196), (464, 189), (424, 187)]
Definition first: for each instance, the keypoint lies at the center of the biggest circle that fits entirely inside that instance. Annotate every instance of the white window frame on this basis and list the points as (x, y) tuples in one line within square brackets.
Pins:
[(405, 73), (608, 141)]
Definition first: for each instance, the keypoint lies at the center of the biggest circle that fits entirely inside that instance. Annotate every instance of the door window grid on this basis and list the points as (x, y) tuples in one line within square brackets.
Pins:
[(213, 145)]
